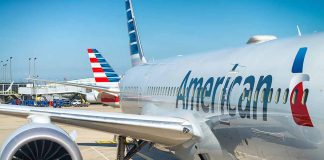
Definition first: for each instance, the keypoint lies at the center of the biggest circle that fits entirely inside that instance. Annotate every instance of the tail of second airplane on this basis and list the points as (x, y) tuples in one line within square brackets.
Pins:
[(102, 71)]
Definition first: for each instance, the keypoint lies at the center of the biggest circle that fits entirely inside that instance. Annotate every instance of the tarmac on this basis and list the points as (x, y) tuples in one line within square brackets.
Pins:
[(94, 145)]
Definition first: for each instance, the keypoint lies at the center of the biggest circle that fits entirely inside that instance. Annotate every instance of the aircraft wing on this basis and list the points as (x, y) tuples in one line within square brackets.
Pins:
[(168, 131), (108, 90)]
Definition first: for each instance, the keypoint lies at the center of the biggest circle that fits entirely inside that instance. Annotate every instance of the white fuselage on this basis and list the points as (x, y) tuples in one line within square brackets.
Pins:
[(101, 97), (262, 124)]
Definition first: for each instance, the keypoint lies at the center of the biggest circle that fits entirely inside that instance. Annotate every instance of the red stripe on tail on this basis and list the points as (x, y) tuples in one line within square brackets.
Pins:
[(93, 60), (101, 79), (90, 50), (97, 70)]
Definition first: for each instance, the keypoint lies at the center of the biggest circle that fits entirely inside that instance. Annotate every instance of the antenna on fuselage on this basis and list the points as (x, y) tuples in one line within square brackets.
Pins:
[(298, 31)]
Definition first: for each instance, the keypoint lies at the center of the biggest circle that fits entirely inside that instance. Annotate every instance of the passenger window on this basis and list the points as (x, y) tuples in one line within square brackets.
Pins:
[(270, 95), (250, 95), (198, 91), (277, 96), (305, 96), (256, 94), (285, 96), (294, 98), (262, 95), (244, 94), (193, 92)]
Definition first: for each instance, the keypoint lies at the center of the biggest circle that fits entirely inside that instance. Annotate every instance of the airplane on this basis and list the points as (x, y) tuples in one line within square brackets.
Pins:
[(259, 101), (105, 77)]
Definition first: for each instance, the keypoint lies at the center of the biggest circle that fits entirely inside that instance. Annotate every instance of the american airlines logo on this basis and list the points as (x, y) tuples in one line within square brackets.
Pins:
[(193, 94), (298, 108)]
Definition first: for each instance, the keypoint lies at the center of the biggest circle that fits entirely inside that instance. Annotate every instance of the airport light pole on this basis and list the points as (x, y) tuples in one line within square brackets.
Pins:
[(35, 89), (7, 77), (10, 69), (29, 59), (35, 67), (5, 72), (1, 70)]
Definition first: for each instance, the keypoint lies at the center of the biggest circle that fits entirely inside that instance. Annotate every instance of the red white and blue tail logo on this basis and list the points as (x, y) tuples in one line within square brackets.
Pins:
[(102, 71)]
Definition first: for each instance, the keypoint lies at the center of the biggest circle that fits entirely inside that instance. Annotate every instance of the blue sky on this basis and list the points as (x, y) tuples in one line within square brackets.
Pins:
[(58, 32)]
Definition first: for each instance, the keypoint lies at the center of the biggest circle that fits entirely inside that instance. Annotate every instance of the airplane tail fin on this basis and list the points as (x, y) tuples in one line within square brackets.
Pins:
[(136, 51), (102, 71)]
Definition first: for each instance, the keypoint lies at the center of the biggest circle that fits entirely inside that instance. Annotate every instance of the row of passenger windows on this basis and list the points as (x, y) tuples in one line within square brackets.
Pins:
[(162, 91), (172, 91), (277, 96)]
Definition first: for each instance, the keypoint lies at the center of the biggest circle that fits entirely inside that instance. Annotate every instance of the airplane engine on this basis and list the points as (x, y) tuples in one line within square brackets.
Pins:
[(40, 141)]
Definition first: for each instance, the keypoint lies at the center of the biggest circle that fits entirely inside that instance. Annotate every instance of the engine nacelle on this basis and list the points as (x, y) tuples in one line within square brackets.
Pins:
[(40, 141)]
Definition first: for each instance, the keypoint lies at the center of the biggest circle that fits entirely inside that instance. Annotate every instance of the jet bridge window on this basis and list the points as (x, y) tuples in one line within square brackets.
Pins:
[(277, 95), (305, 96), (285, 96)]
